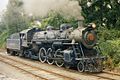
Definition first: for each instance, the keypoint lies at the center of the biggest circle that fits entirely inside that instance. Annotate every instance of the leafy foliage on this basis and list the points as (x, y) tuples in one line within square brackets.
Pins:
[(56, 19), (112, 50), (102, 12), (3, 38), (105, 34), (14, 18)]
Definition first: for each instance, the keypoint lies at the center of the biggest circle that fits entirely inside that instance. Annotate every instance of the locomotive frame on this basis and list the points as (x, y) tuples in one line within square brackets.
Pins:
[(61, 51)]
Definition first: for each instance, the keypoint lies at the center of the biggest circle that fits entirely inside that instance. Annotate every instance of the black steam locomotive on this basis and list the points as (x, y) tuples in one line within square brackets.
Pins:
[(63, 47)]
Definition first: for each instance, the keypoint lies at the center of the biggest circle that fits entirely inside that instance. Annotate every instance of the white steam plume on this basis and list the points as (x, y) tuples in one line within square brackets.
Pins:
[(43, 7)]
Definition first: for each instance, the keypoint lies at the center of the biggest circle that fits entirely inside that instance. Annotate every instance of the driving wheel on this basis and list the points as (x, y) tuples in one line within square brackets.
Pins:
[(42, 55), (80, 66), (59, 58), (50, 56)]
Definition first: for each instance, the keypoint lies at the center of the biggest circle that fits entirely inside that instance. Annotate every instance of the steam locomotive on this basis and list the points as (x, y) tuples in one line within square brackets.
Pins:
[(64, 46)]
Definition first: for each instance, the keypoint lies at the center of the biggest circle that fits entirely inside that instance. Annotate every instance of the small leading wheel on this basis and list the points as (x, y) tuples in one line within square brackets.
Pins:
[(50, 56), (80, 66), (59, 58), (42, 55)]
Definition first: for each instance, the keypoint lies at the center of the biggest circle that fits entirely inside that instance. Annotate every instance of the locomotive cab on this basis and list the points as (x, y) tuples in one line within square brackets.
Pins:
[(26, 36)]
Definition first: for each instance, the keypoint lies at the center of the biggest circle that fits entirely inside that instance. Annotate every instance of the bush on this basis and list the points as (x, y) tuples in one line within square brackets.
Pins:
[(3, 38), (108, 34), (111, 48)]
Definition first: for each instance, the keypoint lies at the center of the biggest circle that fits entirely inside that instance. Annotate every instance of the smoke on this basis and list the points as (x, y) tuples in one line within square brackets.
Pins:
[(43, 7)]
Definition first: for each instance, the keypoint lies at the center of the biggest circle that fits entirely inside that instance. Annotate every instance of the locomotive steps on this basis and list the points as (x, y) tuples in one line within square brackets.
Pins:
[(39, 70)]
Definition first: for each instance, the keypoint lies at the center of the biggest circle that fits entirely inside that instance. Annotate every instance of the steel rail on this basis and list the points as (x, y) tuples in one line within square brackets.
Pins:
[(38, 68)]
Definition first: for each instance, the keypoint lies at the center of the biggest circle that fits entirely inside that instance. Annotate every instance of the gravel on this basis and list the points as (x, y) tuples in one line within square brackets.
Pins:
[(3, 77)]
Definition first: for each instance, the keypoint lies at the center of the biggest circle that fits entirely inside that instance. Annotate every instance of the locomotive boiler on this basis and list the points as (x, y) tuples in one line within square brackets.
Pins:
[(64, 47)]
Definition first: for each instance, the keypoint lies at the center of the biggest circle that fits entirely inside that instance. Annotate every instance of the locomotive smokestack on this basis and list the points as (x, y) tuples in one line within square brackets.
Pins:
[(80, 23)]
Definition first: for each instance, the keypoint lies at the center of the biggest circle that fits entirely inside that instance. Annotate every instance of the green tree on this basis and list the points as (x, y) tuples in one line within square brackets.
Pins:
[(14, 17), (13, 20), (55, 19), (102, 12)]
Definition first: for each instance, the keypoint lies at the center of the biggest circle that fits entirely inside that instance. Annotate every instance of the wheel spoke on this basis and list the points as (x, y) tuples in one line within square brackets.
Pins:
[(80, 66), (50, 56), (42, 55), (59, 58)]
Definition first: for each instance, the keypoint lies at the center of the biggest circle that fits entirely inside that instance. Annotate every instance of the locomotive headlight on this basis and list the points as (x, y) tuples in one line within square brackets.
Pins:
[(93, 25)]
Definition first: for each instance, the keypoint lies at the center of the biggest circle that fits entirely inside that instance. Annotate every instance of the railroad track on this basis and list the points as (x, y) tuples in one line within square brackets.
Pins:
[(38, 73), (107, 76), (55, 76), (111, 73), (103, 75)]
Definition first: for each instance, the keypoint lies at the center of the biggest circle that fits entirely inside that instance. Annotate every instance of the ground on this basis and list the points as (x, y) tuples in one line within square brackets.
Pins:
[(8, 72)]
